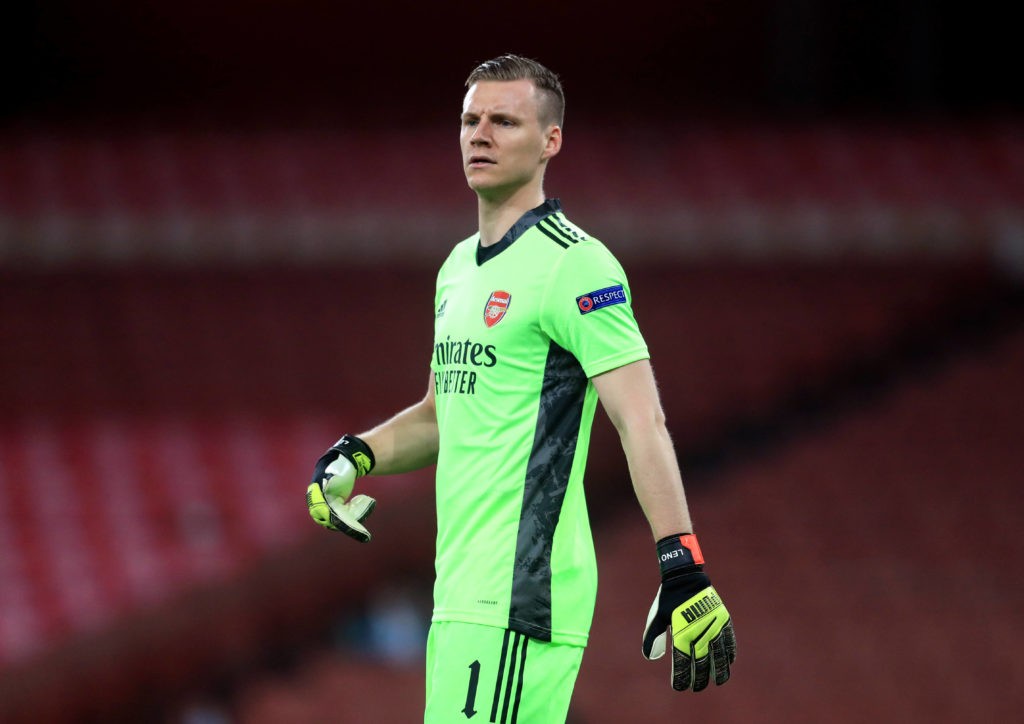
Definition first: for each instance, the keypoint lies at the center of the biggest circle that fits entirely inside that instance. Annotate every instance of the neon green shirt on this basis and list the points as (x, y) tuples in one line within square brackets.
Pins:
[(520, 329)]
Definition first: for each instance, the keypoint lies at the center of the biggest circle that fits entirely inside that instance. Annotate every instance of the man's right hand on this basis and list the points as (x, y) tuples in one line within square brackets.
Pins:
[(333, 479), (703, 639)]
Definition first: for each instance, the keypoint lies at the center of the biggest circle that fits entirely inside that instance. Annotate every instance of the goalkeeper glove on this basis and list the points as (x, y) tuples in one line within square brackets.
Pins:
[(333, 479), (703, 640)]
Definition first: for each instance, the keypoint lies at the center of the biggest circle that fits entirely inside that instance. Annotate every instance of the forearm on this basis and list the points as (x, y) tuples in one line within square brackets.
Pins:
[(630, 396), (657, 482), (407, 441)]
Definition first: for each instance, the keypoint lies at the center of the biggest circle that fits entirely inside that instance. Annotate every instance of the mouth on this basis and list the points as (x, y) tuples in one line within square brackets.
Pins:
[(480, 161)]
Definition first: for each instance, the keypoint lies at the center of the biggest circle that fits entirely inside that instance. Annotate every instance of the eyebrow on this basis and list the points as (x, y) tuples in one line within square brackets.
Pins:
[(497, 115)]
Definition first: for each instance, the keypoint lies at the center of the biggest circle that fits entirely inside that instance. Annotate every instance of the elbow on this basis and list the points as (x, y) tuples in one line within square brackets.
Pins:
[(640, 422)]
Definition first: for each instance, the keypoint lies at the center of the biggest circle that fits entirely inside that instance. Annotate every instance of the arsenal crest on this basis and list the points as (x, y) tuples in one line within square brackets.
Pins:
[(496, 307)]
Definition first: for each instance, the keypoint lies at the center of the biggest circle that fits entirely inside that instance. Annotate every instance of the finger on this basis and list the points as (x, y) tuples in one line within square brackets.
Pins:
[(701, 672), (654, 643), (729, 639), (343, 521), (656, 631), (695, 646), (360, 507), (719, 659), (318, 508), (356, 531), (655, 635), (314, 496), (682, 670)]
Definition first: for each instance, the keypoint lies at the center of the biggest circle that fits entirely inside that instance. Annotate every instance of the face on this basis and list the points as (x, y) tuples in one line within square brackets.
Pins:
[(504, 145)]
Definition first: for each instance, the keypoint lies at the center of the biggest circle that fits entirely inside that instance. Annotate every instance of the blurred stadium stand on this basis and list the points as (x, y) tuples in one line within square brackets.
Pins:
[(192, 309), (795, 190)]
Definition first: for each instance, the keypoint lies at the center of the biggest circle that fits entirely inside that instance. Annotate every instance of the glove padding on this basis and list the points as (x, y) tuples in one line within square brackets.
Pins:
[(703, 639), (333, 479)]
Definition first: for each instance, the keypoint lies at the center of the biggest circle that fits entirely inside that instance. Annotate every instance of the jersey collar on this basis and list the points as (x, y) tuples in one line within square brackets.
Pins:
[(525, 222)]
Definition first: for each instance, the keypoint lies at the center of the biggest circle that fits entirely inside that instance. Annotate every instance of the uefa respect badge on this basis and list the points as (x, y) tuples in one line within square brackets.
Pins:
[(600, 299)]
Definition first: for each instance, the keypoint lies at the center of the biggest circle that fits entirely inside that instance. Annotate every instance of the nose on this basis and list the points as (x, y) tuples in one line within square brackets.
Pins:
[(481, 133)]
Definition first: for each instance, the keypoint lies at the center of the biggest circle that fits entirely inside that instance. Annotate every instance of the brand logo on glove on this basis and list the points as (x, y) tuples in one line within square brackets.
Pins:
[(702, 607)]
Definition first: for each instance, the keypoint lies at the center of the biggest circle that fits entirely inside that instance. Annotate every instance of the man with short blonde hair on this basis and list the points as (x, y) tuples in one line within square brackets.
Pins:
[(533, 326)]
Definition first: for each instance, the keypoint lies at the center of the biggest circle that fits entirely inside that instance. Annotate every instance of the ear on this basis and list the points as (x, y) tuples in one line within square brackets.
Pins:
[(552, 143)]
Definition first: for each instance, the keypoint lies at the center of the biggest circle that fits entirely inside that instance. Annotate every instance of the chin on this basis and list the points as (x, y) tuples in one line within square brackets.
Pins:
[(478, 184)]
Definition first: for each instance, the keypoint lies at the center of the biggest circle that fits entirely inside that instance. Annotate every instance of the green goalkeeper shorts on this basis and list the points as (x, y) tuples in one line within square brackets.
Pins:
[(502, 676)]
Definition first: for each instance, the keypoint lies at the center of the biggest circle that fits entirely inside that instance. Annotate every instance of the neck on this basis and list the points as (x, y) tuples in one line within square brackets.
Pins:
[(496, 215)]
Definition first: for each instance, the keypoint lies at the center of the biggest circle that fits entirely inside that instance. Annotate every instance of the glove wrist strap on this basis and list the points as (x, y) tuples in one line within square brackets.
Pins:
[(357, 452), (679, 554)]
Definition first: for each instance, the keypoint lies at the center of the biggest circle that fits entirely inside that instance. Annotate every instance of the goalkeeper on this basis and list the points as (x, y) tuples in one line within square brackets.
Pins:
[(533, 326)]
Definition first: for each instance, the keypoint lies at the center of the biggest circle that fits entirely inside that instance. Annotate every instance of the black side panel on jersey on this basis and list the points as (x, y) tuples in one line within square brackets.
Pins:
[(547, 478)]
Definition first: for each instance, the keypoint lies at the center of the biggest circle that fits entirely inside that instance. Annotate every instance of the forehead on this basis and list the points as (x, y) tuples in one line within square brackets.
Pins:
[(501, 96)]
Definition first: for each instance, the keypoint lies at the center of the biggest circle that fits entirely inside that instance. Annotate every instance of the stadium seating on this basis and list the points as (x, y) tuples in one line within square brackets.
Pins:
[(186, 320), (778, 190)]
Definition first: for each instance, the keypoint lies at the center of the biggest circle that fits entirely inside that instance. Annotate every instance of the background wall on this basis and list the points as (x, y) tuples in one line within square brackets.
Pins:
[(219, 227)]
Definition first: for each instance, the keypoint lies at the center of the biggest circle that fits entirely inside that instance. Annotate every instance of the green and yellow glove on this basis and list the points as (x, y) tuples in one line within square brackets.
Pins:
[(703, 640), (333, 479)]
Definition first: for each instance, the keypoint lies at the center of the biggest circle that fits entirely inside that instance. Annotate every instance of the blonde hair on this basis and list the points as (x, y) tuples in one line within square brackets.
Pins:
[(516, 67)]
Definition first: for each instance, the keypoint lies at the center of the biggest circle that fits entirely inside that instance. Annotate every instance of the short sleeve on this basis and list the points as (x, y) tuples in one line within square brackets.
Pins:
[(588, 311)]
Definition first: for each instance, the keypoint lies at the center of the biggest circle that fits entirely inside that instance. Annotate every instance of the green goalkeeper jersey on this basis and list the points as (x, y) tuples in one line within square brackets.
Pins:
[(520, 328)]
